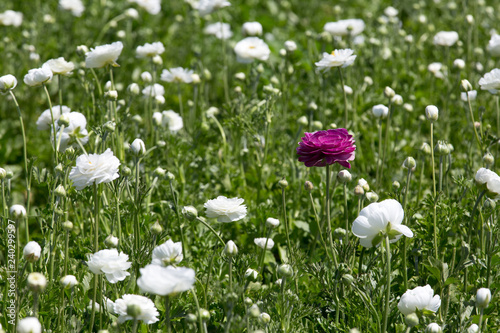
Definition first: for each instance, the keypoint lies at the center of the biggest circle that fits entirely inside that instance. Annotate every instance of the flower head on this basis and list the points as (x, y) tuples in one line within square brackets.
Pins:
[(7, 82), (111, 263), (68, 281), (10, 17), (491, 81), (17, 211), (419, 298), (164, 281), (483, 298), (38, 76), (206, 7), (103, 55), (489, 181), (76, 7), (154, 90), (167, 253), (252, 28), (494, 45), (75, 129), (153, 7), (94, 168), (251, 48), (379, 219), (327, 147), (143, 309), (177, 74), (60, 66), (150, 50), (261, 242), (380, 111), (36, 282), (44, 122), (351, 27), (172, 120), (446, 38), (338, 58), (29, 325), (219, 30), (32, 251), (226, 210)]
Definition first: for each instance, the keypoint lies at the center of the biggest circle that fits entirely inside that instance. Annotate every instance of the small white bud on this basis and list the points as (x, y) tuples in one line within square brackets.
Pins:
[(68, 281), (431, 113), (230, 249), (290, 46), (36, 282), (483, 298), (389, 92), (138, 148), (32, 251), (344, 176), (272, 222)]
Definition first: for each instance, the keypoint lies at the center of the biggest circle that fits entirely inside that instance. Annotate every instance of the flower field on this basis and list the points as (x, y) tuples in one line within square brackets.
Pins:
[(249, 166)]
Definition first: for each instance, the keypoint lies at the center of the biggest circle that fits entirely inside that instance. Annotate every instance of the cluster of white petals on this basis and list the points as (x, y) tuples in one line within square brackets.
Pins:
[(165, 281), (252, 28), (488, 180), (153, 90), (150, 50), (494, 45), (94, 168), (338, 58), (177, 74), (10, 17), (76, 129), (419, 298), (446, 38), (264, 243), (103, 55), (206, 7), (111, 263), (76, 7), (491, 81), (250, 49), (60, 66), (29, 325), (44, 122), (341, 28), (153, 7), (145, 307), (219, 30), (167, 253), (32, 251), (169, 119), (7, 82), (226, 210), (38, 76)]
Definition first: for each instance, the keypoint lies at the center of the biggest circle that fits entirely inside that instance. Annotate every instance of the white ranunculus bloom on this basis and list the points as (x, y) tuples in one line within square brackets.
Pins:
[(374, 221), (147, 311), (272, 222), (138, 147), (157, 118), (68, 281), (230, 249), (109, 305), (380, 110), (491, 81), (433, 328), (10, 17), (150, 50), (153, 7), (29, 325), (261, 242), (32, 251), (489, 181), (226, 210), (7, 82), (338, 58), (177, 74), (17, 211), (60, 66), (164, 281), (290, 46), (167, 253), (219, 30), (103, 55), (111, 263), (76, 7), (37, 76), (419, 298), (94, 168), (75, 129), (351, 27), (431, 112), (483, 298), (446, 38), (206, 7), (435, 68), (251, 48), (472, 95), (473, 328), (494, 45), (252, 28), (44, 122), (154, 90), (36, 282), (391, 11), (172, 120)]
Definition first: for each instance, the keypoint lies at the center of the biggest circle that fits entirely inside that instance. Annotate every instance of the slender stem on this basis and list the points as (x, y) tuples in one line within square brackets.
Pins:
[(118, 218), (285, 222), (481, 320), (471, 221), (212, 230), (386, 142), (405, 196), (97, 81), (136, 215), (198, 314), (379, 162), (167, 314), (262, 255), (328, 222), (179, 95), (181, 229), (473, 123), (346, 213), (346, 115), (441, 173), (96, 218), (35, 304), (318, 225), (59, 83), (388, 287), (66, 253), (134, 327), (224, 63), (52, 121)]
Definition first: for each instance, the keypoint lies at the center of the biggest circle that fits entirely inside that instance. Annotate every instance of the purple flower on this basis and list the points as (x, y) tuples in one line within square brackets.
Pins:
[(327, 147)]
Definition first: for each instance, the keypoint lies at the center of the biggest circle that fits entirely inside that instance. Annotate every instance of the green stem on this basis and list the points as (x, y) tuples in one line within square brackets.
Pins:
[(471, 221), (405, 196), (262, 255), (386, 142), (481, 320), (346, 116), (473, 123), (198, 314), (212, 230), (134, 327), (379, 162), (346, 213), (179, 96), (388, 281), (137, 208), (328, 222), (285, 222), (167, 314), (318, 225), (53, 122), (181, 229)]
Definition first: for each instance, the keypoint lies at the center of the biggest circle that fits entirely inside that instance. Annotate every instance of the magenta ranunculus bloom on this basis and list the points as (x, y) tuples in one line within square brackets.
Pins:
[(327, 147)]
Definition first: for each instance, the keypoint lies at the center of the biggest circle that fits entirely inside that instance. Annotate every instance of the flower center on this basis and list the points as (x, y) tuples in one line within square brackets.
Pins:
[(251, 47), (333, 53)]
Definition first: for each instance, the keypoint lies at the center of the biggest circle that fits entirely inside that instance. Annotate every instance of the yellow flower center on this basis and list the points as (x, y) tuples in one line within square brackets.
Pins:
[(251, 47), (333, 53)]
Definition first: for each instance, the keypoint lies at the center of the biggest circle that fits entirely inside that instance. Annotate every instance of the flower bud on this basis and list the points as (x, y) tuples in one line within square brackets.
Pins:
[(412, 320), (431, 113), (9, 174), (36, 282), (264, 318), (191, 318), (408, 107), (189, 212), (7, 82), (285, 271), (146, 77), (272, 222), (68, 281), (364, 184), (160, 172), (111, 241), (111, 95), (138, 148), (358, 190), (110, 126), (254, 311), (397, 100), (157, 60), (170, 176), (248, 301), (389, 92), (308, 186), (230, 249), (290, 46), (339, 233), (3, 173), (125, 171), (344, 176), (60, 191), (433, 328), (473, 328), (466, 85), (488, 159), (483, 298), (312, 106), (302, 121), (425, 148), (156, 228), (396, 185), (409, 163), (204, 314), (372, 196), (206, 74), (82, 49), (282, 52), (32, 251), (380, 111), (441, 148), (283, 183), (134, 88), (260, 68), (17, 211), (68, 225), (348, 279), (251, 274)]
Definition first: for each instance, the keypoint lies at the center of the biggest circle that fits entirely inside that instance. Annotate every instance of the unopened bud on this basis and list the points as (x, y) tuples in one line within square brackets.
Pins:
[(409, 163), (230, 249), (412, 320), (156, 228), (344, 176), (431, 113), (285, 271), (308, 186), (466, 85), (283, 183), (389, 92)]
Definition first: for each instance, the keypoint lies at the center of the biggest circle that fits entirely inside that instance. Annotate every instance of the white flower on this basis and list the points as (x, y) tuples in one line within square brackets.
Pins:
[(446, 38), (153, 7), (17, 211), (490, 181), (206, 7), (94, 168), (494, 45), (103, 55), (37, 76), (261, 242), (60, 66), (226, 210), (68, 281), (272, 222), (472, 95), (10, 17), (138, 147), (483, 298), (252, 28), (109, 305), (29, 325), (154, 90), (364, 184), (7, 82), (76, 7), (431, 112), (290, 46), (164, 281), (251, 48), (32, 251), (146, 76), (36, 282), (219, 30), (391, 11), (473, 328), (132, 13), (44, 122), (338, 58), (380, 218), (380, 110), (459, 63), (111, 263), (177, 74), (150, 50), (75, 129), (230, 249), (167, 253), (433, 328), (491, 81), (419, 298), (351, 27), (172, 120), (146, 310), (435, 68)]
